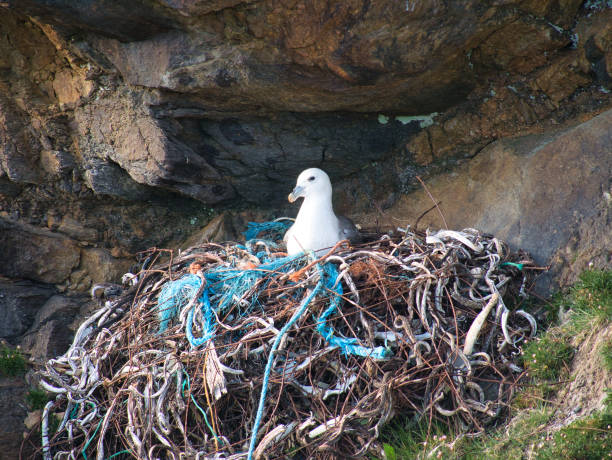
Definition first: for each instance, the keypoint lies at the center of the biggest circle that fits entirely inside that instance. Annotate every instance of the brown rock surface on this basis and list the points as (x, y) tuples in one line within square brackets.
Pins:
[(12, 416), (533, 192), (100, 266), (37, 254), (50, 334)]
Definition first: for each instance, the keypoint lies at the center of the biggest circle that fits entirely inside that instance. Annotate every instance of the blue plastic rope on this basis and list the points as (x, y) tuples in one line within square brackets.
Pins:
[(255, 228), (348, 346), (119, 453), (208, 322), (269, 364), (90, 439), (175, 295), (230, 283), (512, 264)]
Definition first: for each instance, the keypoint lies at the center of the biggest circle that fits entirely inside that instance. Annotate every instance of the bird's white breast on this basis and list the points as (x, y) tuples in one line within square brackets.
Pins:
[(316, 228)]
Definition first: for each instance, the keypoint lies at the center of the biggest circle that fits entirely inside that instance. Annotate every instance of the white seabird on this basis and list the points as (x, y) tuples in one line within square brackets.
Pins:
[(316, 226)]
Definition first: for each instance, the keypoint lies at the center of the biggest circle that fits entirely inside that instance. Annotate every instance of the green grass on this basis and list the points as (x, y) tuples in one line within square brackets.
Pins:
[(508, 442), (606, 354), (36, 398), (404, 439), (545, 357), (589, 438), (419, 441), (590, 300), (12, 362)]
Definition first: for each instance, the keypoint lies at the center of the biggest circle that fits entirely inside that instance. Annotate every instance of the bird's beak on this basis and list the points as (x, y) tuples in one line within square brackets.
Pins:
[(295, 194)]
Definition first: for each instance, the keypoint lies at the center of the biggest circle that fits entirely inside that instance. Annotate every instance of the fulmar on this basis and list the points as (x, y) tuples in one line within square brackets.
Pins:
[(316, 226)]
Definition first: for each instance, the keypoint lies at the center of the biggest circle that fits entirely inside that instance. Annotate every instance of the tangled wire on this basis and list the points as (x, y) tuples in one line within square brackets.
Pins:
[(229, 351)]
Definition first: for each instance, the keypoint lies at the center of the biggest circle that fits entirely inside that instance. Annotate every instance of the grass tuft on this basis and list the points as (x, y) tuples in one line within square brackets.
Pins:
[(416, 440), (606, 354), (589, 439), (36, 398), (12, 362), (546, 356), (593, 293)]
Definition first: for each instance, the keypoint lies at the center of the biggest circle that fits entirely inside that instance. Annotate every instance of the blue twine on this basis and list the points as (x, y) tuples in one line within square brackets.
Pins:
[(255, 228), (119, 453), (207, 313), (174, 296), (349, 346), (202, 411), (229, 283), (264, 389), (512, 264), (90, 439)]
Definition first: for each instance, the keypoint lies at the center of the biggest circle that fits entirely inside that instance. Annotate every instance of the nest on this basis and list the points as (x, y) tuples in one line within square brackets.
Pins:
[(229, 351)]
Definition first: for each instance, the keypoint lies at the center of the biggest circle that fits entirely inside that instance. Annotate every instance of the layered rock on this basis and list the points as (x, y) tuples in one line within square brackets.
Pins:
[(222, 100), (125, 125)]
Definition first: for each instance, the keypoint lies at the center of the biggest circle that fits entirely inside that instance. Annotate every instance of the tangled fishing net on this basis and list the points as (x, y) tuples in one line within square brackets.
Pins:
[(232, 351)]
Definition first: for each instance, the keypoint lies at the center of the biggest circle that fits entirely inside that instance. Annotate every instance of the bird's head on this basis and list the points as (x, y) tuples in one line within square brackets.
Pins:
[(311, 182)]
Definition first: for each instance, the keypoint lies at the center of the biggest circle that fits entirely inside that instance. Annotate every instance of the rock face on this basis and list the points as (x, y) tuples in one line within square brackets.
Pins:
[(36, 254), (50, 333), (11, 421), (19, 303), (535, 192), (223, 101), (131, 124)]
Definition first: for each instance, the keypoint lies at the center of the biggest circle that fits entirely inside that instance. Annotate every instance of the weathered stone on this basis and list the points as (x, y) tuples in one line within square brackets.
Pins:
[(530, 191), (70, 87), (595, 41), (36, 254), (124, 20), (120, 131), (200, 7), (334, 51), (106, 178), (17, 148), (265, 156), (56, 162), (224, 227), (8, 187), (563, 77), (19, 302), (420, 147), (525, 44), (560, 12), (13, 412), (50, 334), (101, 266), (75, 230)]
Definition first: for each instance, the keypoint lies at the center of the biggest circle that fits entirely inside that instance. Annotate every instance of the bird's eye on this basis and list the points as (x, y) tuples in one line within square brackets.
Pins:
[(311, 178)]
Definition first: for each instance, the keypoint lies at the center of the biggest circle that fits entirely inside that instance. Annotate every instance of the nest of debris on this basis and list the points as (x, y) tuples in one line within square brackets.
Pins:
[(231, 351)]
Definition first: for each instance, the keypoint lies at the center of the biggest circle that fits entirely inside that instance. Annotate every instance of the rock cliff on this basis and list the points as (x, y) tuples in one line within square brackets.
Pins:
[(131, 124)]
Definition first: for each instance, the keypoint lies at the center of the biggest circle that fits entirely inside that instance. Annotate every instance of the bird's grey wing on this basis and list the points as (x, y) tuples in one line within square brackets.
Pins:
[(348, 230)]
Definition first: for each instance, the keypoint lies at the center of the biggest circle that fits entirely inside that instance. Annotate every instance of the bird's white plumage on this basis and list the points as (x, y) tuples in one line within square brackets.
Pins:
[(316, 226)]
